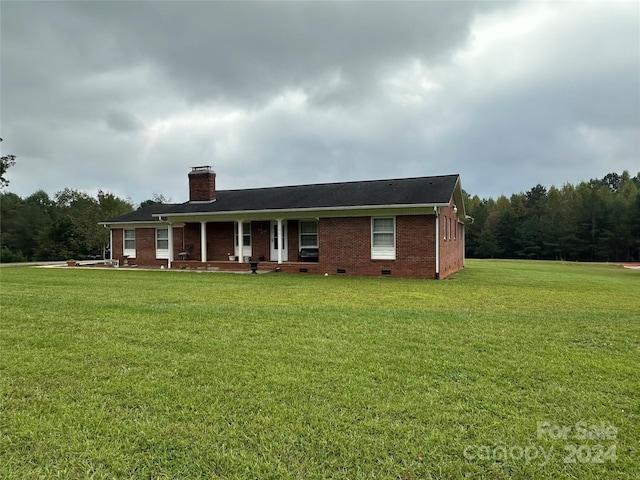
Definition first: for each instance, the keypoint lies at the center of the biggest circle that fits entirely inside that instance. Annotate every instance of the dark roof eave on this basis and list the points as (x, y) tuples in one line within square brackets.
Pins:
[(135, 222)]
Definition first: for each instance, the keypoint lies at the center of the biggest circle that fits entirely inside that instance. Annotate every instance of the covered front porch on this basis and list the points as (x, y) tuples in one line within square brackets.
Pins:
[(230, 245)]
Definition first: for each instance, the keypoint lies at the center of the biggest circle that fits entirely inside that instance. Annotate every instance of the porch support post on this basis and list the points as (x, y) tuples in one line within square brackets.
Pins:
[(279, 220), (203, 241), (170, 231), (240, 242)]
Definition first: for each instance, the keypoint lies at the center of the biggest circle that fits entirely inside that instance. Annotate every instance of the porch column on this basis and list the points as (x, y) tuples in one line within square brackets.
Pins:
[(279, 232), (240, 242), (170, 232), (203, 241)]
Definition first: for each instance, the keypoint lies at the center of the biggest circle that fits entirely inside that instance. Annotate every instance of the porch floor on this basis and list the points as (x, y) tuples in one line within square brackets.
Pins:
[(231, 266)]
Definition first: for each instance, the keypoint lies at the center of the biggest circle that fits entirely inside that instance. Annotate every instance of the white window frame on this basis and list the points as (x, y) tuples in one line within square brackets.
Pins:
[(307, 235), (128, 252), (383, 252), (162, 253)]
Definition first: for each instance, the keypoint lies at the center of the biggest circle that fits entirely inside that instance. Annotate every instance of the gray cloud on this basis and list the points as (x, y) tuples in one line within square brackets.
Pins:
[(123, 122), (96, 95)]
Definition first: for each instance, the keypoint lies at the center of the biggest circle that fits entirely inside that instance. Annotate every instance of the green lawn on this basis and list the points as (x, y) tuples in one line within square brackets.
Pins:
[(508, 369)]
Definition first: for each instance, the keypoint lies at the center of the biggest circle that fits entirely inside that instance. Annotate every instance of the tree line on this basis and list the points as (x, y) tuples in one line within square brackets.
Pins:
[(596, 220), (39, 227)]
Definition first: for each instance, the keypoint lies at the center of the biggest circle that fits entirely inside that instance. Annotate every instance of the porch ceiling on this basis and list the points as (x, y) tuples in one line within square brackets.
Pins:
[(298, 214)]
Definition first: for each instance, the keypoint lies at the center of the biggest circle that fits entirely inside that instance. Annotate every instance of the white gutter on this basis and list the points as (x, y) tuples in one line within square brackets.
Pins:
[(137, 223)]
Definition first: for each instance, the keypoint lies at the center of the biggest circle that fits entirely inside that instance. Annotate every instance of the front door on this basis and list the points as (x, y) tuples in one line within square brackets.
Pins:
[(275, 242)]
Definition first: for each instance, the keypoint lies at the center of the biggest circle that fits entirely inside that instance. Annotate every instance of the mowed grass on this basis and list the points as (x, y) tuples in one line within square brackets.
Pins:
[(161, 374)]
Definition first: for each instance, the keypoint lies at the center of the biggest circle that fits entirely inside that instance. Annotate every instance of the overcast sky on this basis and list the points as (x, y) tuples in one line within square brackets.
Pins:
[(127, 96)]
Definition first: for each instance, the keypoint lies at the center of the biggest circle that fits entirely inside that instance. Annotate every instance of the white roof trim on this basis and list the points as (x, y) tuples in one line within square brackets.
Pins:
[(159, 223)]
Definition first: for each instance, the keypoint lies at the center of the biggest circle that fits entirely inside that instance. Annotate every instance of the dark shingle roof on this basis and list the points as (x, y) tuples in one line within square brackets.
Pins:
[(143, 214), (402, 191)]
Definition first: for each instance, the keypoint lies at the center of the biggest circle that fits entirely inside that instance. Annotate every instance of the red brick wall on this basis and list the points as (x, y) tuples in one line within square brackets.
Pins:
[(293, 240), (220, 241), (415, 246), (345, 243), (260, 240), (177, 244), (451, 247), (187, 239), (145, 246), (117, 238)]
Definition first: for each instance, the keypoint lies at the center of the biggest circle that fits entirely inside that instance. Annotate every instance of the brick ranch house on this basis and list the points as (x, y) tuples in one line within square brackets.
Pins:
[(408, 227)]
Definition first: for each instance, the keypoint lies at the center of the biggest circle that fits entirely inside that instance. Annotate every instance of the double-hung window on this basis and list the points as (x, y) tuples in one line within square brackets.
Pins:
[(162, 243), (129, 249), (308, 234), (383, 238)]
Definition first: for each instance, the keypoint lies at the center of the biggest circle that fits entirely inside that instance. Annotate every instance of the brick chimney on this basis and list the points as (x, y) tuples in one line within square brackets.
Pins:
[(202, 184)]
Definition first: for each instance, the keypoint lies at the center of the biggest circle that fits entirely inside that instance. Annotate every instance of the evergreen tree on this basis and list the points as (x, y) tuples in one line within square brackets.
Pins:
[(598, 220)]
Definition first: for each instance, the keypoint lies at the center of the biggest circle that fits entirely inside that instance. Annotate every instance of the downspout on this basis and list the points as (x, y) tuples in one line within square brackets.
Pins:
[(437, 211)]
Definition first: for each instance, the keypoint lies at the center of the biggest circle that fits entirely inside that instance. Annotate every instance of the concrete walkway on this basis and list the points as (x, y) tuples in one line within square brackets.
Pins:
[(99, 264), (33, 264)]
